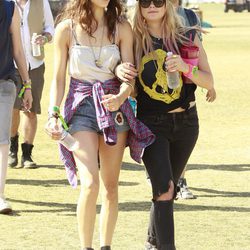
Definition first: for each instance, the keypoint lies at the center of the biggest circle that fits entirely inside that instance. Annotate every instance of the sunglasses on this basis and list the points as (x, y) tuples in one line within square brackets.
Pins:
[(146, 3)]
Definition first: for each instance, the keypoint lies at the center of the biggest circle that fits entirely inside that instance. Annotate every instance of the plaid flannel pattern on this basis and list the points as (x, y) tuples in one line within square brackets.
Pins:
[(139, 135)]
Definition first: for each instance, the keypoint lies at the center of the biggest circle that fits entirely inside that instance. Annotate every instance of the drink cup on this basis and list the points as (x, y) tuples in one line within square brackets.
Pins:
[(190, 55), (36, 48)]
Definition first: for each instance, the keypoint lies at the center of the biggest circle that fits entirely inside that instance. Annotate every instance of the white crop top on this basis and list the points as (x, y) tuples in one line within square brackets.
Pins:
[(82, 62)]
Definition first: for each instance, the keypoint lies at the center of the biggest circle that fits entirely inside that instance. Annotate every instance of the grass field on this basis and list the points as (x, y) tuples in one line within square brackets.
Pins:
[(218, 170)]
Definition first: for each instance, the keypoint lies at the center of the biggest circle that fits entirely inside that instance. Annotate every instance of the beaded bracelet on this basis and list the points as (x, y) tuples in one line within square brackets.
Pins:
[(25, 82)]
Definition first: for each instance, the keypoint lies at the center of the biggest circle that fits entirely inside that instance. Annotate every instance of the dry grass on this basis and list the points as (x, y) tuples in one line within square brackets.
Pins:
[(218, 171)]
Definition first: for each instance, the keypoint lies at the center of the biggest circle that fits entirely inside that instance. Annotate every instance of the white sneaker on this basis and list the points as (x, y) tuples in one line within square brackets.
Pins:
[(5, 207), (149, 246), (184, 192)]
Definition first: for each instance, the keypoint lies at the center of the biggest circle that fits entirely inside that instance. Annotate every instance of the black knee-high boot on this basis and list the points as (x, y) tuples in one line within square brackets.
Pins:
[(12, 158), (164, 225)]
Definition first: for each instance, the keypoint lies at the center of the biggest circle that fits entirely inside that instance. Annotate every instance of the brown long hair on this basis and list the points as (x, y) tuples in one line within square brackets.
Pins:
[(172, 32), (80, 11)]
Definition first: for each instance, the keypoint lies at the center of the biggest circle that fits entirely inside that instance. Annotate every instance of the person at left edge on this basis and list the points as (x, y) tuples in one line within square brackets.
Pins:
[(42, 23), (10, 48)]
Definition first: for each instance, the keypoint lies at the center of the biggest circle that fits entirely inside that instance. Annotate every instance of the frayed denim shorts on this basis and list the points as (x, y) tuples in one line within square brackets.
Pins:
[(7, 98), (84, 119)]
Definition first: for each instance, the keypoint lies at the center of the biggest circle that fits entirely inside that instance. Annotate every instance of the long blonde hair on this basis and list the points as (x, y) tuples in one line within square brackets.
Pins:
[(173, 32)]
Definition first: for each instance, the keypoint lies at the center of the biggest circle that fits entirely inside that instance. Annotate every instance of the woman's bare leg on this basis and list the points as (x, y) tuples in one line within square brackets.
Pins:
[(87, 164), (110, 163)]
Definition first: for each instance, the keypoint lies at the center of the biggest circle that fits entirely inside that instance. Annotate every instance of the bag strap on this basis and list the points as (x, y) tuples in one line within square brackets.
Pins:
[(193, 20), (192, 17)]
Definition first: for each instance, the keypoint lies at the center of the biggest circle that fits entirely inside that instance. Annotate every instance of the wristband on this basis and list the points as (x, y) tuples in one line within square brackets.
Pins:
[(26, 86), (20, 95), (56, 111), (192, 71), (189, 73)]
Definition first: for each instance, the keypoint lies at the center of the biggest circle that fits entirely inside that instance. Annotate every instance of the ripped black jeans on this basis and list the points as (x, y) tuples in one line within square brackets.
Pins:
[(176, 135)]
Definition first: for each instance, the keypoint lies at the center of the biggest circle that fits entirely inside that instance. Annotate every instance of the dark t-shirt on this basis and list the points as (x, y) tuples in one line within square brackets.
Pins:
[(154, 96), (7, 67)]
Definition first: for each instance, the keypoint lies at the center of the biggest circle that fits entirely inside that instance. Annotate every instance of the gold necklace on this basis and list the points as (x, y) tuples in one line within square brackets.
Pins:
[(97, 61)]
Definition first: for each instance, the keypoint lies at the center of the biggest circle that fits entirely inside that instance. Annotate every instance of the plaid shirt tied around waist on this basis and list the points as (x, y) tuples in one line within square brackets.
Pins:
[(139, 136)]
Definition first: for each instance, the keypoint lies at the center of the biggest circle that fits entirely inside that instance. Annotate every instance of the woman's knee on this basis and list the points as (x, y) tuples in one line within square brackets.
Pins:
[(169, 195), (90, 187), (110, 191)]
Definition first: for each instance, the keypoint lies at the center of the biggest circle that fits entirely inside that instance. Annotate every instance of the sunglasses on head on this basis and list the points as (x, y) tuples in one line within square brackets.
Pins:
[(146, 3)]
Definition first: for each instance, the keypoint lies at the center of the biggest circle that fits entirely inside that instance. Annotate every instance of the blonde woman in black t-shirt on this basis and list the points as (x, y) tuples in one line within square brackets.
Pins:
[(170, 113)]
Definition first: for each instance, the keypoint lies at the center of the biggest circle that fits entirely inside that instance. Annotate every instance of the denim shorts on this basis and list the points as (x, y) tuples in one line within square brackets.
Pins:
[(84, 119), (7, 98)]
